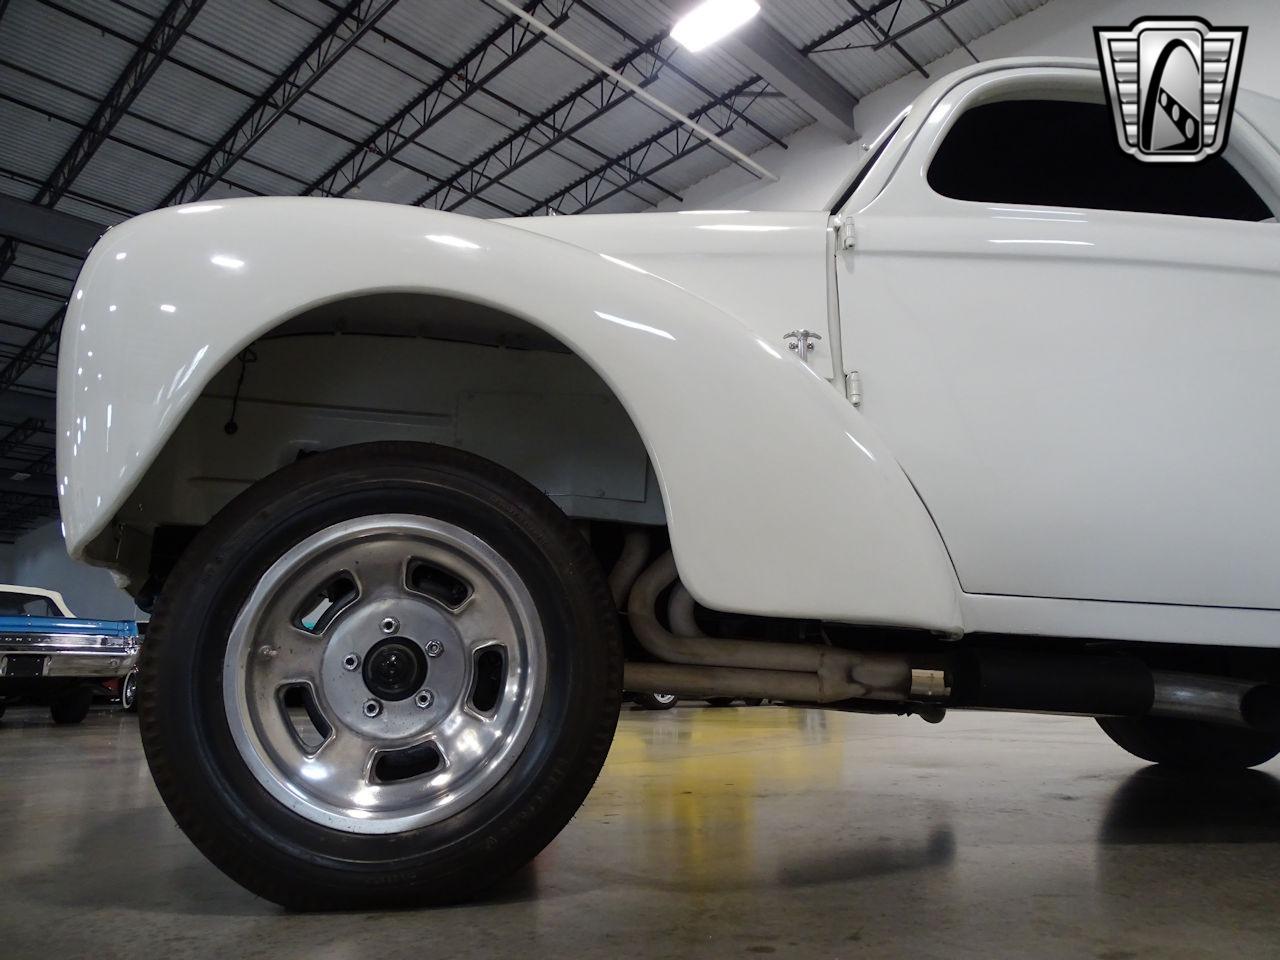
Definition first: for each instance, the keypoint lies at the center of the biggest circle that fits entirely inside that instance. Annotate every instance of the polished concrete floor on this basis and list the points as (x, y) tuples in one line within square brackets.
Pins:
[(712, 833)]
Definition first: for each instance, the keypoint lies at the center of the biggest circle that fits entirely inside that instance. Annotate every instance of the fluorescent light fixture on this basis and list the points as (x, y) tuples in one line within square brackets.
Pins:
[(710, 21)]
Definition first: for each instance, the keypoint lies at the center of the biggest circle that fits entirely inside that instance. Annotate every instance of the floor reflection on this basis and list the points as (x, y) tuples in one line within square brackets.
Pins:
[(1156, 805)]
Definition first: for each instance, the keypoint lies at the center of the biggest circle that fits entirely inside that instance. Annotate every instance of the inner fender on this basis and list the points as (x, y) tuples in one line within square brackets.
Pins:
[(781, 498)]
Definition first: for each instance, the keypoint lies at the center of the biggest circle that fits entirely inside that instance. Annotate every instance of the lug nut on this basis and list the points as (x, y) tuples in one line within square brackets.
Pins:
[(351, 661), (424, 699), (372, 708), (434, 648), (268, 651), (390, 625)]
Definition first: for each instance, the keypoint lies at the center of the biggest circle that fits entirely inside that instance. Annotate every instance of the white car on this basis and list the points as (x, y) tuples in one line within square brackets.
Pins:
[(994, 429)]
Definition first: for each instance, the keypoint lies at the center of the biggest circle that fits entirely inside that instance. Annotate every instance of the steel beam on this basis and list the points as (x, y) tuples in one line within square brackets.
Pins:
[(19, 435), (338, 36), (25, 222), (456, 84), (581, 106), (41, 342), (150, 53), (888, 39), (761, 48), (18, 404), (819, 44), (656, 152), (146, 59), (937, 12)]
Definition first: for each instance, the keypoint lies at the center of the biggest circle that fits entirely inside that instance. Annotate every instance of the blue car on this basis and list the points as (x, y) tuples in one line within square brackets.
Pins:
[(49, 656)]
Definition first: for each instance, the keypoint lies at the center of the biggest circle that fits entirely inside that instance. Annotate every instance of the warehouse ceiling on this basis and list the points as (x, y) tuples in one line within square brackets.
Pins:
[(110, 108)]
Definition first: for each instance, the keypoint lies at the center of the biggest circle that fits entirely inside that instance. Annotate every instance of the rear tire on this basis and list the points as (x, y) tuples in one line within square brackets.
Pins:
[(502, 570), (657, 701), (1191, 744), (71, 706), (129, 691)]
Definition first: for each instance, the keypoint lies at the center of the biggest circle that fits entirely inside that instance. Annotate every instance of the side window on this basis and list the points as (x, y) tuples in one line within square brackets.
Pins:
[(1060, 153)]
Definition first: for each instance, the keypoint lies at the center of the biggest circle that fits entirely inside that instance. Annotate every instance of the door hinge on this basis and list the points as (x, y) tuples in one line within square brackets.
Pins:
[(845, 237), (853, 387)]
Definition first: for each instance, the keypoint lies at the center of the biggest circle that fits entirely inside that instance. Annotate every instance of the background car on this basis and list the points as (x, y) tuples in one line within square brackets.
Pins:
[(49, 656)]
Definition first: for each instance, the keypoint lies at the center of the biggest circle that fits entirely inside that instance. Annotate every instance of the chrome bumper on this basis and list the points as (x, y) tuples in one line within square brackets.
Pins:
[(82, 657)]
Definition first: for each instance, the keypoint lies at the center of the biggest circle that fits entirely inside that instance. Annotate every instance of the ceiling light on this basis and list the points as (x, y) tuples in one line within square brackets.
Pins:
[(711, 20)]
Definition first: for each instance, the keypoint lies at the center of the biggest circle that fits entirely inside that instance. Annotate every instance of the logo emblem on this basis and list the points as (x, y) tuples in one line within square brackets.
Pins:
[(1171, 84)]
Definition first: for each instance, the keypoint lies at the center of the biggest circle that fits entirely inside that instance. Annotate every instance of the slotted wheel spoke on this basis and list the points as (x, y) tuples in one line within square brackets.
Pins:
[(345, 760), (379, 568), (287, 655), (384, 673), (483, 620), (464, 737)]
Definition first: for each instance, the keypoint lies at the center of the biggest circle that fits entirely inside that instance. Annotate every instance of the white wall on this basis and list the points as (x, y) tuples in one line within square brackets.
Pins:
[(816, 162), (40, 559)]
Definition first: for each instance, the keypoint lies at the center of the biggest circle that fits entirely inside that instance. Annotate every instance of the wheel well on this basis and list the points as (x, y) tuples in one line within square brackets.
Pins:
[(390, 366)]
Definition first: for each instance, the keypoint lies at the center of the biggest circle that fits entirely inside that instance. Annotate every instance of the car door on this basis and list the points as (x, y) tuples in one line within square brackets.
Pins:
[(1074, 355)]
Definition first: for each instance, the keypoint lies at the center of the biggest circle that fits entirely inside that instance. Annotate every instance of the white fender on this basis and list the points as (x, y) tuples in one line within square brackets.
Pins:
[(781, 498)]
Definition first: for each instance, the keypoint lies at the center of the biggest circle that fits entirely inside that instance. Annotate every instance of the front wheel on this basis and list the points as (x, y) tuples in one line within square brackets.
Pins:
[(385, 675), (1191, 744)]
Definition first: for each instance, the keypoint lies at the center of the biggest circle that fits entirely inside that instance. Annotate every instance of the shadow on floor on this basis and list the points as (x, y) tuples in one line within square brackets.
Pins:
[(139, 860), (867, 862), (1158, 805)]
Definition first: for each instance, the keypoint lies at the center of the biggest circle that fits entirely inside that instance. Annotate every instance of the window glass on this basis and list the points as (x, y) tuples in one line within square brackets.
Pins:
[(27, 605), (1061, 153)]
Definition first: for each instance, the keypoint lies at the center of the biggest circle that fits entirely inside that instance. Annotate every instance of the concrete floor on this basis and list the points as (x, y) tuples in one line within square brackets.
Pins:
[(712, 833)]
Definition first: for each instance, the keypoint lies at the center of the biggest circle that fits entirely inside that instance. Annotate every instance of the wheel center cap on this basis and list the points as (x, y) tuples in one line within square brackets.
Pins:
[(395, 668)]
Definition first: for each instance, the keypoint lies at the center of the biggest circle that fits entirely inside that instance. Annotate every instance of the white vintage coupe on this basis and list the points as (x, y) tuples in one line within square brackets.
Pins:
[(418, 496)]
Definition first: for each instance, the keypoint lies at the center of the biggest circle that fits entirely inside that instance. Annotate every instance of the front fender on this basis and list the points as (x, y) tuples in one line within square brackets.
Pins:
[(780, 497)]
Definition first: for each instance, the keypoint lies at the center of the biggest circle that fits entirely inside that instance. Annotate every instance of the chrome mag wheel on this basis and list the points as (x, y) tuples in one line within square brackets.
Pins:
[(384, 673)]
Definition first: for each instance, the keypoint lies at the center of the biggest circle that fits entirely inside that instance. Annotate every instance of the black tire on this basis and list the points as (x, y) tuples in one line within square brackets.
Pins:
[(1, 709), (293, 860), (657, 701), (71, 706), (1191, 744), (754, 702), (129, 691), (720, 701)]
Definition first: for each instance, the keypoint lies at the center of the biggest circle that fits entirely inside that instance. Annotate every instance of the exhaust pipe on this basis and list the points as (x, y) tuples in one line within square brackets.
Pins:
[(692, 664), (807, 672), (1239, 703), (1109, 686)]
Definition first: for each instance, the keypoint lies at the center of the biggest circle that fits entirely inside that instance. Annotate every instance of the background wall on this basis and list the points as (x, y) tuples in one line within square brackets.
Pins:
[(811, 170), (40, 560), (816, 162)]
